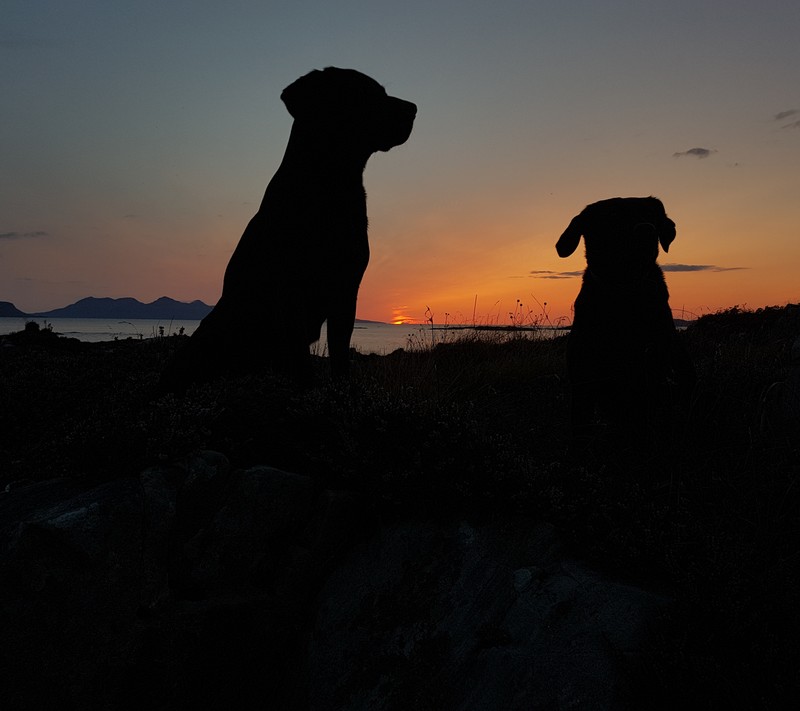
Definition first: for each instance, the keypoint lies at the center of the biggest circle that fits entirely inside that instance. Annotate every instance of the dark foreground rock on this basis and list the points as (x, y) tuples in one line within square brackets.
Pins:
[(432, 616), (199, 586)]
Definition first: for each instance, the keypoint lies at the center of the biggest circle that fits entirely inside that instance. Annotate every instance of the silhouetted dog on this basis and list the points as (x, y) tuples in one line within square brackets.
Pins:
[(623, 348), (301, 259)]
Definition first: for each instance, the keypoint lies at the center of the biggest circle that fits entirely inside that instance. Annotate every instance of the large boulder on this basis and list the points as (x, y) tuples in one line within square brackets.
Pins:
[(196, 585), (454, 616), (163, 590), (77, 568)]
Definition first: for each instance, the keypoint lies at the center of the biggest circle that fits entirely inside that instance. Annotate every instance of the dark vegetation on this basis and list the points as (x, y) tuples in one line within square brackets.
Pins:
[(706, 505)]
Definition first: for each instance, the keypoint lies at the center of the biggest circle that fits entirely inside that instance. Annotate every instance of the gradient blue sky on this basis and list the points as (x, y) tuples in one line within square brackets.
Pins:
[(138, 138)]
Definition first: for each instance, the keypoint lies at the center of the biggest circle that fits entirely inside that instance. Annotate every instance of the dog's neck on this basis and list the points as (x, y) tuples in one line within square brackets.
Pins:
[(313, 152), (644, 279)]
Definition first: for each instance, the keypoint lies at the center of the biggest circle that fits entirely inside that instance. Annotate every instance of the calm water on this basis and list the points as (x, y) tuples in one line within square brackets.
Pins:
[(380, 338)]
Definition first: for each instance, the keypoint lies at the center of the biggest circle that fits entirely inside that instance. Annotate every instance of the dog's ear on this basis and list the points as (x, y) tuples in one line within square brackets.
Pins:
[(666, 233), (301, 95), (568, 242)]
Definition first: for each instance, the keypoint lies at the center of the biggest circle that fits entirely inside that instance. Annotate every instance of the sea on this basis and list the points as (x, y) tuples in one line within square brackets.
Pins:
[(368, 336)]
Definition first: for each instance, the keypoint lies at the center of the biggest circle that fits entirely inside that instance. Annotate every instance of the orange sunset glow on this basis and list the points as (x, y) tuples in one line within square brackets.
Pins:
[(137, 149)]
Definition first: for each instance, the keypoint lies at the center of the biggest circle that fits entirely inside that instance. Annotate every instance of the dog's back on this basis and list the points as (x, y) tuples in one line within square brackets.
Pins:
[(623, 345)]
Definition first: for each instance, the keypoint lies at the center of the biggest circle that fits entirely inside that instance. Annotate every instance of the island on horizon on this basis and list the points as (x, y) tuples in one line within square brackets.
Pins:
[(122, 308)]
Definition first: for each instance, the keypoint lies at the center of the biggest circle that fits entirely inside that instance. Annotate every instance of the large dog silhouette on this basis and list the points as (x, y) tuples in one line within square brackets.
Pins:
[(623, 348), (302, 256)]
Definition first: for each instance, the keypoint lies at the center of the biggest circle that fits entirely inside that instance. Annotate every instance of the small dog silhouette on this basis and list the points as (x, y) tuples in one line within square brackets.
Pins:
[(623, 347), (301, 259)]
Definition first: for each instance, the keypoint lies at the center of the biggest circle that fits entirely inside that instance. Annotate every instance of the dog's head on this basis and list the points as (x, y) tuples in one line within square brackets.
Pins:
[(351, 107), (620, 232)]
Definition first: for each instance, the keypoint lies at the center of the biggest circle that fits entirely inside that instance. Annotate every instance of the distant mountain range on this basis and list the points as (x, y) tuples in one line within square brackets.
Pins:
[(126, 308), (122, 309)]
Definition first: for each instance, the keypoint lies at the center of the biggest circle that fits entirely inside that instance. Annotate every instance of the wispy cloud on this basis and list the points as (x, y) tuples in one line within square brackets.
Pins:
[(22, 235), (546, 274), (786, 114), (695, 153), (698, 268), (790, 113)]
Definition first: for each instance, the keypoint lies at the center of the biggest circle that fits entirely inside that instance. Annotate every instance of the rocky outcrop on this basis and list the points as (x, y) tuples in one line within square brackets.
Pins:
[(451, 616), (198, 586)]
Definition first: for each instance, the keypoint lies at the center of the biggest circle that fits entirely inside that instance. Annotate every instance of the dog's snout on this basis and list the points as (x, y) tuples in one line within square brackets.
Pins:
[(397, 118), (406, 109)]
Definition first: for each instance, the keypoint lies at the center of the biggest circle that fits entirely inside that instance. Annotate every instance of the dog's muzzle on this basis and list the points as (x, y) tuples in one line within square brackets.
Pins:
[(400, 115)]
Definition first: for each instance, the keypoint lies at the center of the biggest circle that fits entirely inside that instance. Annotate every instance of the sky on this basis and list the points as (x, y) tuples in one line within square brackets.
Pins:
[(138, 138)]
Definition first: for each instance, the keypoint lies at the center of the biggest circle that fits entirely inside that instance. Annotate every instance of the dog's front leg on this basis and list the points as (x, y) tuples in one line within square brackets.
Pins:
[(341, 320)]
